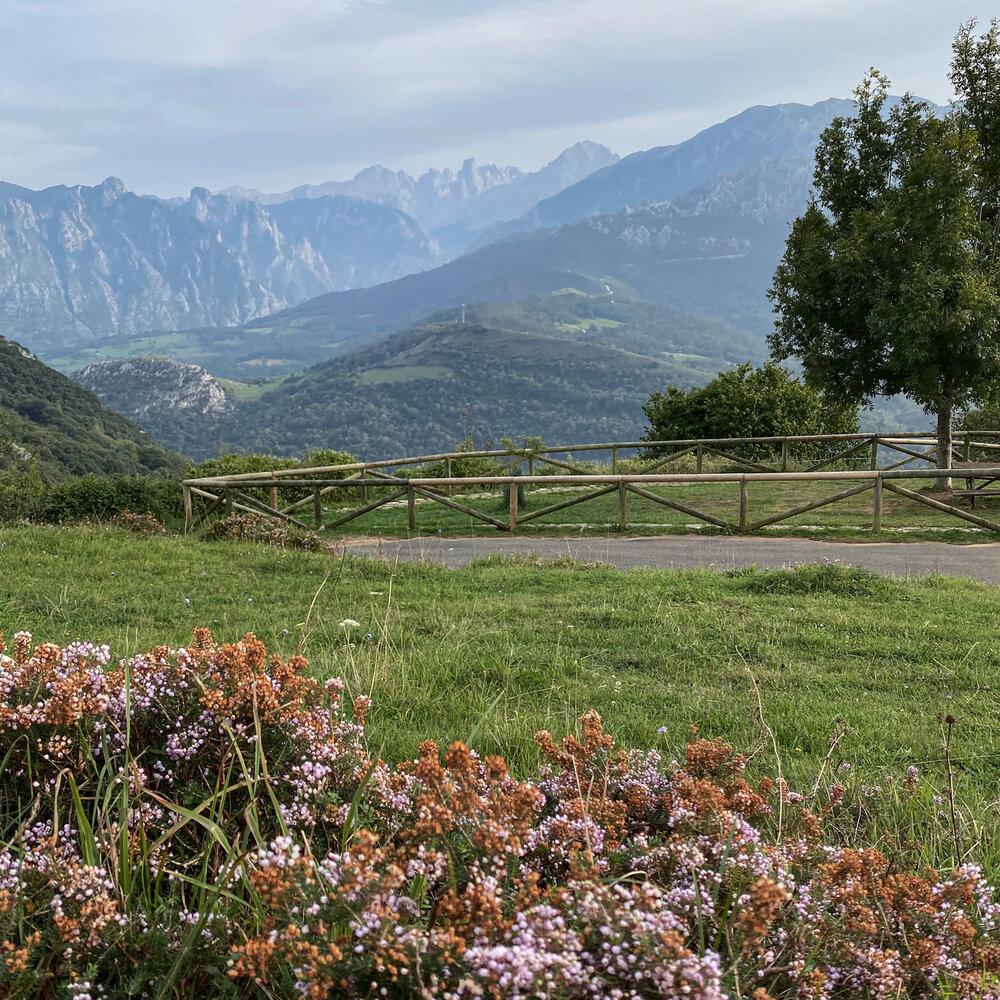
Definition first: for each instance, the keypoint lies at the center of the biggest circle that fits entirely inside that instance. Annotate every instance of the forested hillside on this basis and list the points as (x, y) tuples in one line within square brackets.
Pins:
[(49, 421)]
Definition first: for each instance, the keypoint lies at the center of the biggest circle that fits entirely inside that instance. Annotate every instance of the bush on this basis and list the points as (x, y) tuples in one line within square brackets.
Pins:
[(22, 495), (99, 498), (237, 464), (748, 402), (319, 457), (461, 466)]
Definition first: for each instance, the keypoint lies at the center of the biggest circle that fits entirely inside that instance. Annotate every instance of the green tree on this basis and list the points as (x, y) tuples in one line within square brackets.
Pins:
[(747, 402), (888, 283)]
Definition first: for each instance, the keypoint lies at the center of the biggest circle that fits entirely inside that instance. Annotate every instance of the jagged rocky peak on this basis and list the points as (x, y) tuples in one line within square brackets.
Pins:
[(472, 197), (112, 189), (582, 159), (140, 386)]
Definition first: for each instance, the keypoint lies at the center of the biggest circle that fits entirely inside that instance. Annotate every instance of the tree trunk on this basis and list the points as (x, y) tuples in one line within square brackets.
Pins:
[(943, 483)]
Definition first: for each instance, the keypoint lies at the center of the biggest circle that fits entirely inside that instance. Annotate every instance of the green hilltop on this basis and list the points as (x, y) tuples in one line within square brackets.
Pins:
[(568, 364), (424, 389)]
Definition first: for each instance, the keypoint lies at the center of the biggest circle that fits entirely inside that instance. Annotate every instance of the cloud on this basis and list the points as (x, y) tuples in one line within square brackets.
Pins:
[(275, 92)]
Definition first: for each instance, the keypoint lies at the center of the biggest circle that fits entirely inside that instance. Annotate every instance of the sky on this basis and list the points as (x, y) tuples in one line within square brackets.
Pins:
[(270, 94)]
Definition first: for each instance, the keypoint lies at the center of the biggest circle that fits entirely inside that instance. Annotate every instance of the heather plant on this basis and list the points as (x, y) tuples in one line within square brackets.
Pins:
[(139, 524), (211, 820), (256, 528)]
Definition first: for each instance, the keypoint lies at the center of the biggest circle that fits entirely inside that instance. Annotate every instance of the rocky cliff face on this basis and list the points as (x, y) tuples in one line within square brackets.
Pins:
[(137, 387), (83, 262), (175, 402)]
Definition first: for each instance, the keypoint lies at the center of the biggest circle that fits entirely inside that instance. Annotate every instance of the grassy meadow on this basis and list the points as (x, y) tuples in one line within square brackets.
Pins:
[(777, 663)]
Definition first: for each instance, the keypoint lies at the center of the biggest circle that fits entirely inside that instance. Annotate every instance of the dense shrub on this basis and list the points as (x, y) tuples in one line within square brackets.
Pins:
[(463, 465), (22, 494), (98, 498), (240, 464), (235, 464), (747, 402), (209, 822)]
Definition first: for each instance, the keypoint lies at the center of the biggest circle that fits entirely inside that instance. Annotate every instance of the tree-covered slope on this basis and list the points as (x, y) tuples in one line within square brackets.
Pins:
[(417, 392), (49, 420)]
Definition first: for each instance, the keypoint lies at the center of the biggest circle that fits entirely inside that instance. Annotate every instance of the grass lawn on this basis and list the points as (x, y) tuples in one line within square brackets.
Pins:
[(495, 652)]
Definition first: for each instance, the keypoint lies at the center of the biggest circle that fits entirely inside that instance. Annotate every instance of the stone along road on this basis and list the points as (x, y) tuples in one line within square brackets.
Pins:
[(980, 561)]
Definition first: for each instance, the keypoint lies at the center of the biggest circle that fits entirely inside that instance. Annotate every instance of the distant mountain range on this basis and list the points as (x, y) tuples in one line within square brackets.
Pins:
[(711, 253), (81, 263), (256, 287), (779, 132), (85, 262), (455, 207)]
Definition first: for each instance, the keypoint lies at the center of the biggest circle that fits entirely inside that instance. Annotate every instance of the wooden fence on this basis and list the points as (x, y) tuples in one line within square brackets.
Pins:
[(862, 451)]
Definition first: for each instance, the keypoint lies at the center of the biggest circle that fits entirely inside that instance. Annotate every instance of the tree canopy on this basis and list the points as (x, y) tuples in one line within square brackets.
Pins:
[(889, 280), (747, 402)]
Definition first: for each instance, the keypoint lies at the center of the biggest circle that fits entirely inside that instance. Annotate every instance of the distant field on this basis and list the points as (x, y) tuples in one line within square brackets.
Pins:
[(586, 323), (245, 392), (408, 373), (492, 653), (174, 345)]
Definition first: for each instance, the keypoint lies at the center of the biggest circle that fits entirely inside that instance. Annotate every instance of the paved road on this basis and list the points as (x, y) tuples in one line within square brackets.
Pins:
[(981, 562)]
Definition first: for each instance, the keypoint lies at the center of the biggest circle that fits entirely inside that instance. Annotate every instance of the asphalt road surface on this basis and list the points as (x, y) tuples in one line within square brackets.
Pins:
[(980, 562)]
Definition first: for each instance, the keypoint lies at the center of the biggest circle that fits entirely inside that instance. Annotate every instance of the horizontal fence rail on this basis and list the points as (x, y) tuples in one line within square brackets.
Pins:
[(373, 484)]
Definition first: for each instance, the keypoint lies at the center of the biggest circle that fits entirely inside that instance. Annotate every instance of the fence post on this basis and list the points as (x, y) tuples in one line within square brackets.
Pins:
[(411, 509), (784, 456), (614, 459), (188, 514), (229, 502), (364, 485), (274, 495), (512, 493), (317, 506), (743, 505), (874, 463), (449, 489), (622, 494), (877, 507), (968, 443), (698, 457)]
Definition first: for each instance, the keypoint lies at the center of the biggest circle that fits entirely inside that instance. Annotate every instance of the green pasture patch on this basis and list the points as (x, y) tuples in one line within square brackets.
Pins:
[(244, 392), (675, 356), (585, 323), (495, 652), (402, 373)]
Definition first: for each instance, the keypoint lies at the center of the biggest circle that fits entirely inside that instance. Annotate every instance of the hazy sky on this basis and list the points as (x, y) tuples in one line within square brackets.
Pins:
[(167, 94)]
